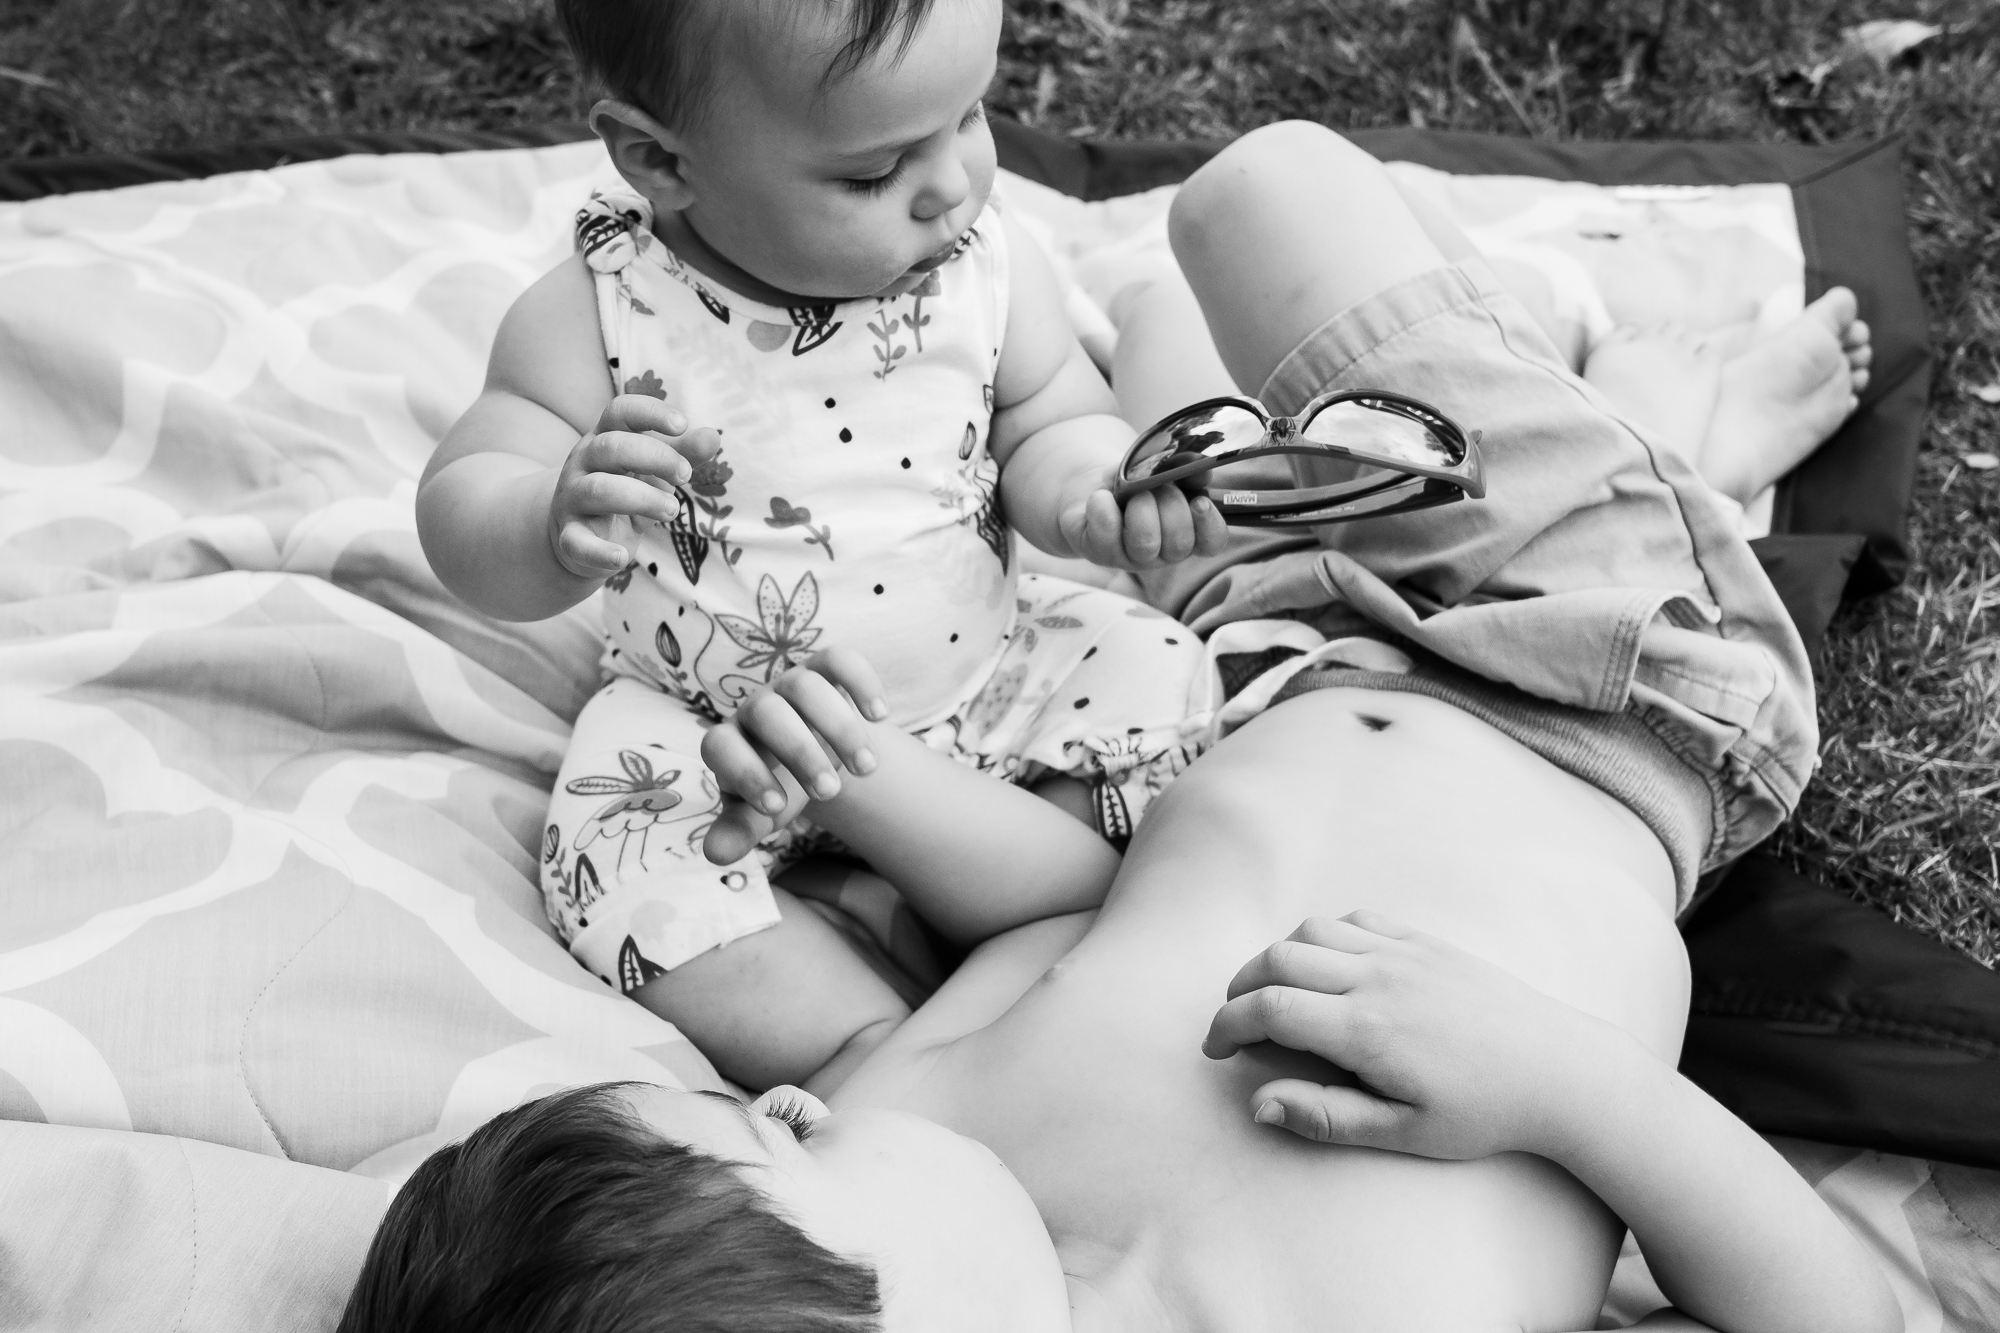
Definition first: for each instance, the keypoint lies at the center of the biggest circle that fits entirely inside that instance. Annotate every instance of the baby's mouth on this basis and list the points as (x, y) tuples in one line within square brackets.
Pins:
[(934, 261)]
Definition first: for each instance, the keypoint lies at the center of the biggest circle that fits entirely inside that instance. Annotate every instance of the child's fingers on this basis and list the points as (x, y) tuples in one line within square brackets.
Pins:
[(640, 412), (642, 456), (1211, 532), (1331, 1114), (772, 723), (587, 555), (1305, 1020), (831, 717), (1300, 966), (853, 673), (739, 769), (595, 494), (1176, 524), (1142, 528), (737, 830)]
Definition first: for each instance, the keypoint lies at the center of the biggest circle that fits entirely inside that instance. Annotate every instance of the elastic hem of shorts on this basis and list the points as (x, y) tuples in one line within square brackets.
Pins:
[(1617, 753)]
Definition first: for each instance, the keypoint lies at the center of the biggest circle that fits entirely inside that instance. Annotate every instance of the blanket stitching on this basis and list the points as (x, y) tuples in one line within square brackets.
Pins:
[(194, 1236), (1958, 1217), (242, 1036)]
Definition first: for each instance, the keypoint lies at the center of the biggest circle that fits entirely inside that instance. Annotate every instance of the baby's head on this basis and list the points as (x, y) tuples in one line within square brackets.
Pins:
[(626, 1208), (827, 148)]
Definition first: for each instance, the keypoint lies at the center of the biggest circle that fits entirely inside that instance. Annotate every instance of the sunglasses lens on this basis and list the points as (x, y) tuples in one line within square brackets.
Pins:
[(1217, 427), (1375, 430)]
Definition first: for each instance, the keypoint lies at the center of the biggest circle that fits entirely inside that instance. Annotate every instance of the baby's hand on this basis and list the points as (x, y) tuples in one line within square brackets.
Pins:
[(619, 472), (780, 748), (1456, 1057), (1157, 527)]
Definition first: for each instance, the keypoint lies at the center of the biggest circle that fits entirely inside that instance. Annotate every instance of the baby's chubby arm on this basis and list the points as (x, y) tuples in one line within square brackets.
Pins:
[(1058, 438), (974, 855), (1458, 1058), (529, 502)]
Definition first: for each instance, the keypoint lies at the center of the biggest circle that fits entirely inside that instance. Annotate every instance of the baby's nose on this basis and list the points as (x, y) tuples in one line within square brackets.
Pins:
[(945, 187)]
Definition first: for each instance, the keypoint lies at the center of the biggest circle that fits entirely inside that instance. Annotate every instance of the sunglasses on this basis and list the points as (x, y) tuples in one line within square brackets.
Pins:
[(1367, 452)]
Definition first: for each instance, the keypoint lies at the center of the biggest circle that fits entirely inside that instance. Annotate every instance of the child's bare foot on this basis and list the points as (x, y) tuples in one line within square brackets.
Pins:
[(1664, 377), (1783, 396)]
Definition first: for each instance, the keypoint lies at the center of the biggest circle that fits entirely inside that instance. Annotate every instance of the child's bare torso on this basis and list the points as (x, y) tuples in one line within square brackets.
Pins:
[(1169, 1207)]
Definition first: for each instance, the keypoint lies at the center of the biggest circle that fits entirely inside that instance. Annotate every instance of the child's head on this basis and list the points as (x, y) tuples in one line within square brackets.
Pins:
[(828, 148), (625, 1208)]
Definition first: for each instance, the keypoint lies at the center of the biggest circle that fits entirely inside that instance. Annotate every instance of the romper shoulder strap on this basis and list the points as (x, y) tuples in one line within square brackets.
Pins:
[(611, 228)]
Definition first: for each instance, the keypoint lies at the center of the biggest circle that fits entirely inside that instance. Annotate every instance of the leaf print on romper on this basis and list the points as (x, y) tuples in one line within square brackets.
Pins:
[(701, 519), (634, 968), (784, 514), (785, 630), (641, 801)]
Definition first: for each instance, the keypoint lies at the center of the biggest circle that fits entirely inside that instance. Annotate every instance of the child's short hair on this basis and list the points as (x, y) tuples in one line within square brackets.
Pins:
[(662, 55), (570, 1214)]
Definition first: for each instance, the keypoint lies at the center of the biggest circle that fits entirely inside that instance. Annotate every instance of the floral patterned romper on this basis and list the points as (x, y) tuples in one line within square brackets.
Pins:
[(853, 503)]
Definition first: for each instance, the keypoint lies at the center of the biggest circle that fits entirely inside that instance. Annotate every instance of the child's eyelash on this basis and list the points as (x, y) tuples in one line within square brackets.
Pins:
[(883, 182), (795, 1117), (876, 184)]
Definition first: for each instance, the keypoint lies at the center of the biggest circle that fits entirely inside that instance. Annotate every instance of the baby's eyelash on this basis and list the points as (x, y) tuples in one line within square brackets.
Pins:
[(795, 1117), (973, 116), (876, 184)]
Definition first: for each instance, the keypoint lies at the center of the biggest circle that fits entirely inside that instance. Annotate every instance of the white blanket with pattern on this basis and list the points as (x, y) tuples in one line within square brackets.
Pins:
[(273, 800)]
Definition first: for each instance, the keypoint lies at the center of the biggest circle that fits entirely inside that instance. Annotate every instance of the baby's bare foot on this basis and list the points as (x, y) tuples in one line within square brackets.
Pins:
[(1783, 396), (1664, 377)]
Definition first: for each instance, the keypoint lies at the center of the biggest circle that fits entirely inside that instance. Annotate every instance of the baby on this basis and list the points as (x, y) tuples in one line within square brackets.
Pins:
[(787, 405)]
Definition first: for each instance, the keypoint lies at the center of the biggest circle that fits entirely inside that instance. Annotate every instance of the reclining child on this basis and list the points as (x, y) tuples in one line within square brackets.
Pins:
[(1575, 697)]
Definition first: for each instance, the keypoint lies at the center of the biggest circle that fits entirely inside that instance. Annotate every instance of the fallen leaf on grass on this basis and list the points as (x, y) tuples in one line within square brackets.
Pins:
[(1882, 40), (1988, 393), (1982, 462)]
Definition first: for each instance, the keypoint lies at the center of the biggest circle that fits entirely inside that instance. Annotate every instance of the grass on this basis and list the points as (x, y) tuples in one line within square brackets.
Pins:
[(1906, 812)]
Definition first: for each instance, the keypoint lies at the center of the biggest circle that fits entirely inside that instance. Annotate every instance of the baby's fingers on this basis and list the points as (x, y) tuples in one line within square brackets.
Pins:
[(740, 770), (587, 555), (853, 673), (1332, 1114), (599, 494), (1145, 528), (641, 412), (1211, 532), (737, 830), (828, 716), (629, 453)]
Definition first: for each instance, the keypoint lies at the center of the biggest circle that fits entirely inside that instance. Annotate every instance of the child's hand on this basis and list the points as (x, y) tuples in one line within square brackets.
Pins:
[(780, 748), (620, 472), (1456, 1057), (1157, 527)]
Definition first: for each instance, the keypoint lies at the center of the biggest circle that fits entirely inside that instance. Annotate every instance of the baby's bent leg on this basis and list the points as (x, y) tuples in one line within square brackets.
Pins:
[(761, 984), (1287, 227)]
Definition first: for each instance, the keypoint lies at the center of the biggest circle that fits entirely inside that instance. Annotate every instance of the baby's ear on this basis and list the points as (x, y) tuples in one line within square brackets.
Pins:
[(646, 153)]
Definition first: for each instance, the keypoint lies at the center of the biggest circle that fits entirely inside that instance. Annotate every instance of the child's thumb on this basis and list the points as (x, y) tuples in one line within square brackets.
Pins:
[(1330, 1114)]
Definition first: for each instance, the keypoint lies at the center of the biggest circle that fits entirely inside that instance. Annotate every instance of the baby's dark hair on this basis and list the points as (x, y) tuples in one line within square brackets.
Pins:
[(661, 55), (571, 1215)]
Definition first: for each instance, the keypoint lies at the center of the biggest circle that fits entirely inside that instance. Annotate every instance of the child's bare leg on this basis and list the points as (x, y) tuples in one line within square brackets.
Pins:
[(1665, 378), (1287, 225), (792, 1004), (1784, 395), (1164, 358)]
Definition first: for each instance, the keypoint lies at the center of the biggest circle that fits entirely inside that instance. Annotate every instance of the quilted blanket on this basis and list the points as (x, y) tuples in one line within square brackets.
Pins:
[(272, 800)]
